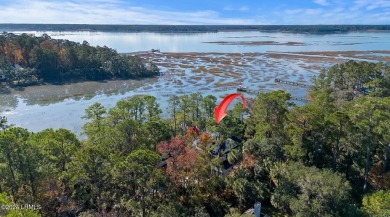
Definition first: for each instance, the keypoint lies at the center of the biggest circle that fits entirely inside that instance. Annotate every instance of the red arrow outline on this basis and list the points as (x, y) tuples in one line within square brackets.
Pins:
[(220, 111)]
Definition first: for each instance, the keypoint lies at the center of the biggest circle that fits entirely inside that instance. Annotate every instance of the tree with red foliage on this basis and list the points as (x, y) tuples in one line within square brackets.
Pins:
[(191, 134), (181, 158), (189, 170)]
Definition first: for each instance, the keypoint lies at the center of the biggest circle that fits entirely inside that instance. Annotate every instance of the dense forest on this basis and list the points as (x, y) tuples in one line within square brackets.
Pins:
[(26, 60), (321, 29), (329, 157)]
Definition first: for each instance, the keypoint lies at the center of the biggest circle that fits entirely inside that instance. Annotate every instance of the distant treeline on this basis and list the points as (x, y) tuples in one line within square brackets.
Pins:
[(193, 28), (26, 60)]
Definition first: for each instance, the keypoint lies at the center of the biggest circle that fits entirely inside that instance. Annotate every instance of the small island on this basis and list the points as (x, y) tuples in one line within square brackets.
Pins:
[(30, 60)]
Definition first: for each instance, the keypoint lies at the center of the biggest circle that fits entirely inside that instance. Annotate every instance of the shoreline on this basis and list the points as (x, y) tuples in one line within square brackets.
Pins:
[(6, 88), (212, 73), (167, 67)]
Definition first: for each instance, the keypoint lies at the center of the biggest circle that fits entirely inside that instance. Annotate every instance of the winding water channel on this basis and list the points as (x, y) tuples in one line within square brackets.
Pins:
[(210, 63)]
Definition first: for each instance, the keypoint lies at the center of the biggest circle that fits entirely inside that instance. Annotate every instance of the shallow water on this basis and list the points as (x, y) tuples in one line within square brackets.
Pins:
[(195, 42), (199, 67)]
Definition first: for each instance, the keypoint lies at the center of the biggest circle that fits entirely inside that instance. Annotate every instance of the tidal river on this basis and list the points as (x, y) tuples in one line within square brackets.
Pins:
[(210, 63)]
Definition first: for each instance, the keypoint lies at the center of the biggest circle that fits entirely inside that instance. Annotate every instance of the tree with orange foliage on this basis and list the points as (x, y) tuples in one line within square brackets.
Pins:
[(205, 139), (249, 161)]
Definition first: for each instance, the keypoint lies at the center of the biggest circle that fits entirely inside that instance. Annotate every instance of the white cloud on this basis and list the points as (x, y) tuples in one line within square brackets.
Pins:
[(230, 8), (107, 12), (293, 11), (302, 12), (371, 5), (313, 11), (336, 10), (337, 15), (116, 12), (321, 2), (243, 8)]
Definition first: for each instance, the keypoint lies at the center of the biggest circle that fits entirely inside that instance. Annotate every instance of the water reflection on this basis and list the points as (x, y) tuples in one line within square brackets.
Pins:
[(194, 42), (8, 102), (50, 94)]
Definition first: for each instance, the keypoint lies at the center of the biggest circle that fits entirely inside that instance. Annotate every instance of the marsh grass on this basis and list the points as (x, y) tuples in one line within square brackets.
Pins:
[(186, 66), (178, 82), (228, 84), (200, 69), (210, 80)]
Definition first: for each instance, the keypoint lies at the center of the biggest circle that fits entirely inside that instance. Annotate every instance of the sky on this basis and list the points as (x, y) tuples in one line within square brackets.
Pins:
[(199, 12)]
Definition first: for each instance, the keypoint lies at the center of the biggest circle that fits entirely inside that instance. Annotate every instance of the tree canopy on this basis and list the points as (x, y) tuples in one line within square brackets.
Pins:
[(329, 157), (27, 60)]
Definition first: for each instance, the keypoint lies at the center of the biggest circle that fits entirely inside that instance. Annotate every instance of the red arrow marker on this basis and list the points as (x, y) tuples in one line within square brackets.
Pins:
[(220, 111)]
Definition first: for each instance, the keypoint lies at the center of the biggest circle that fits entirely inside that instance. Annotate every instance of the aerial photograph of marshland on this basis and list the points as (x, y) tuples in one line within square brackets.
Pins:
[(114, 108)]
